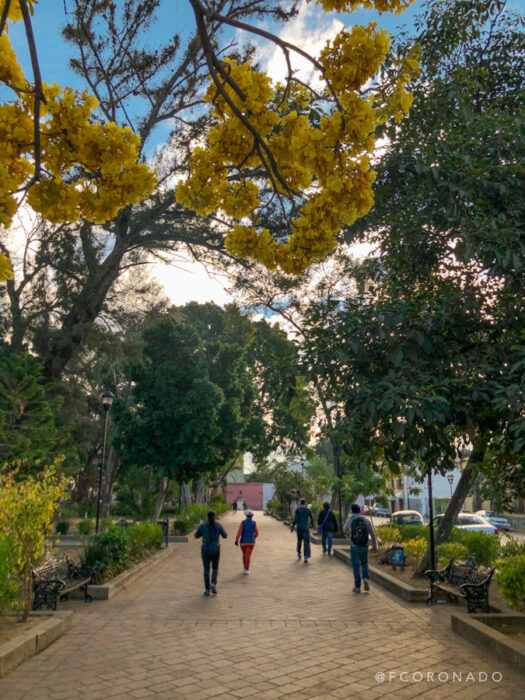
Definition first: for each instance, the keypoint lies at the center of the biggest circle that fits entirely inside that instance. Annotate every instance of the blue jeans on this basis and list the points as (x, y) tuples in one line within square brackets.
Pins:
[(359, 557), (212, 559), (303, 536), (327, 539)]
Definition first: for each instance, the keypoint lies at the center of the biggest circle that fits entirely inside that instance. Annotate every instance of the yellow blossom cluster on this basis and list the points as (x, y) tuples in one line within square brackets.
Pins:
[(87, 169), (396, 6), (305, 154)]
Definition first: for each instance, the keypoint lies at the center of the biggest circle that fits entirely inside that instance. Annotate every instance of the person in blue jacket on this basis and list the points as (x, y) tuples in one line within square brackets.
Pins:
[(247, 534), (210, 551)]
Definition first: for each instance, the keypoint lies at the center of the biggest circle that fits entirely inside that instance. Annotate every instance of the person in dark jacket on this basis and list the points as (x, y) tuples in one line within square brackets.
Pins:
[(247, 534), (302, 518), (210, 551), (328, 524)]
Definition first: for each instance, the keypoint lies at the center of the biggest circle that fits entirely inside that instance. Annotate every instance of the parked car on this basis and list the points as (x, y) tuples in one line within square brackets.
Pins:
[(381, 511), (496, 520), (365, 510), (472, 522), (407, 517)]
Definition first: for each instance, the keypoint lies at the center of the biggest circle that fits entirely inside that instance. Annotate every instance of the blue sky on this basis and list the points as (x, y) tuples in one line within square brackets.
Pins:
[(173, 16)]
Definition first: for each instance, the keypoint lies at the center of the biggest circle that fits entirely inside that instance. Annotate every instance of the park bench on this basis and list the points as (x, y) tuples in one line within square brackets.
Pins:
[(462, 580), (57, 578)]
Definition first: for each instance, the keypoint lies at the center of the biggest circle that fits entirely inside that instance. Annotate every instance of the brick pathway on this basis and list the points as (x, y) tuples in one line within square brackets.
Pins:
[(287, 630)]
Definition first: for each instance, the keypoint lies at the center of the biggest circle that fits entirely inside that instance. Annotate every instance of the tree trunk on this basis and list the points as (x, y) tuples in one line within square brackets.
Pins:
[(159, 503), (185, 494), (63, 343), (200, 491), (465, 483)]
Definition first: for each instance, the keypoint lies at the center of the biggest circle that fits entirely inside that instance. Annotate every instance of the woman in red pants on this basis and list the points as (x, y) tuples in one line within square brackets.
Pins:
[(247, 533)]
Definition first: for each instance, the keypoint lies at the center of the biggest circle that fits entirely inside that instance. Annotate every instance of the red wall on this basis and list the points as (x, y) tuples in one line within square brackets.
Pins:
[(252, 494)]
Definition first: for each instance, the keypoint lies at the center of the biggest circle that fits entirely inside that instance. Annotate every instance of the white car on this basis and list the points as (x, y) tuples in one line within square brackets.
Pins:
[(407, 517), (471, 522), (496, 520)]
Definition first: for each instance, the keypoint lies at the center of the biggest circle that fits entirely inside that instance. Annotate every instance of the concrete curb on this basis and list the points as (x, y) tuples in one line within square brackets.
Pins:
[(399, 588), (107, 590), (474, 628), (35, 640)]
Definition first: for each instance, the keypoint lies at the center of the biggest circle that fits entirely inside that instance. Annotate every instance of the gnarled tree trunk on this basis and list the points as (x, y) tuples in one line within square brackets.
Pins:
[(465, 483)]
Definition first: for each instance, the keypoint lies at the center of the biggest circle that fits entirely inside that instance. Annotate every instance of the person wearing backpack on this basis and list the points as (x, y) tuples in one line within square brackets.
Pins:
[(326, 526), (360, 530), (302, 518), (247, 534), (210, 551)]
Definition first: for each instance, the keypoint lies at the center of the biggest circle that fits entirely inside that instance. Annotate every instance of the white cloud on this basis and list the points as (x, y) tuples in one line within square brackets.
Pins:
[(189, 281), (310, 30)]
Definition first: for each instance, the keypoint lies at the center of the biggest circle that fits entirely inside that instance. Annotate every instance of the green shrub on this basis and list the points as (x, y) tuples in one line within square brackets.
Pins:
[(104, 524), (63, 527), (9, 586), (145, 539), (415, 549), (512, 548), (217, 500), (447, 550), (110, 548), (511, 580), (273, 506), (86, 527), (182, 527), (483, 546), (412, 532), (388, 533), (169, 511)]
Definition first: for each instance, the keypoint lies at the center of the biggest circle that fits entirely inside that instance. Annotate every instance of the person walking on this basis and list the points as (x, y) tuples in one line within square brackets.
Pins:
[(301, 520), (210, 551), (234, 507), (326, 526), (247, 534), (360, 529)]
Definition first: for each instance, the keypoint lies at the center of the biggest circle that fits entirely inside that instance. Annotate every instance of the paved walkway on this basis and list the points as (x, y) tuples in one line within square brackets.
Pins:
[(287, 630)]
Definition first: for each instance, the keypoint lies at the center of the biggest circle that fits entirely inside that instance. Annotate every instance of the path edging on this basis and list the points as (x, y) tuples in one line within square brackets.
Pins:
[(473, 628), (35, 640), (399, 588)]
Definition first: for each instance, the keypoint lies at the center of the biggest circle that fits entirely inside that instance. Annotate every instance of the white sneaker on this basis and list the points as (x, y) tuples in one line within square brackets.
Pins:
[(246, 572)]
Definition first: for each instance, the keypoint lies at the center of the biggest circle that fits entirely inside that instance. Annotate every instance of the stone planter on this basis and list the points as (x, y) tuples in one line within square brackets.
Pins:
[(490, 630), (35, 640)]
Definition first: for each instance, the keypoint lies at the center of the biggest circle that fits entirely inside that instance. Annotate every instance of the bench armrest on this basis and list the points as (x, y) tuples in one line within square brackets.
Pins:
[(435, 575)]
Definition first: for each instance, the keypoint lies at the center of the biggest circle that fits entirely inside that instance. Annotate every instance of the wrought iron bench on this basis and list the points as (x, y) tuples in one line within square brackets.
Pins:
[(462, 580), (57, 578)]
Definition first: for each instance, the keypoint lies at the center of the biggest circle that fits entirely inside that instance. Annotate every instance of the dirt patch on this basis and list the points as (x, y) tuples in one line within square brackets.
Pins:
[(406, 574), (10, 627)]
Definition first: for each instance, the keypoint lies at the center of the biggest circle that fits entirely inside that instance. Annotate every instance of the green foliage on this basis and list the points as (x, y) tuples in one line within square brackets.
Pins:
[(414, 549), (63, 527), (145, 538), (483, 546), (105, 523), (86, 527), (388, 534), (109, 549), (411, 532), (513, 547), (190, 516), (447, 550), (27, 422), (27, 508), (511, 580), (9, 585)]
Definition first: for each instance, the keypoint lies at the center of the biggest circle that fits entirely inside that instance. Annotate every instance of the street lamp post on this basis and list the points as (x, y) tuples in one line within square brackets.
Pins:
[(450, 479), (107, 400)]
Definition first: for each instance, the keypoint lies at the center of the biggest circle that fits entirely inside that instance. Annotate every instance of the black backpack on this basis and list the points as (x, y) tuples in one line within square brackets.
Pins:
[(359, 532)]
